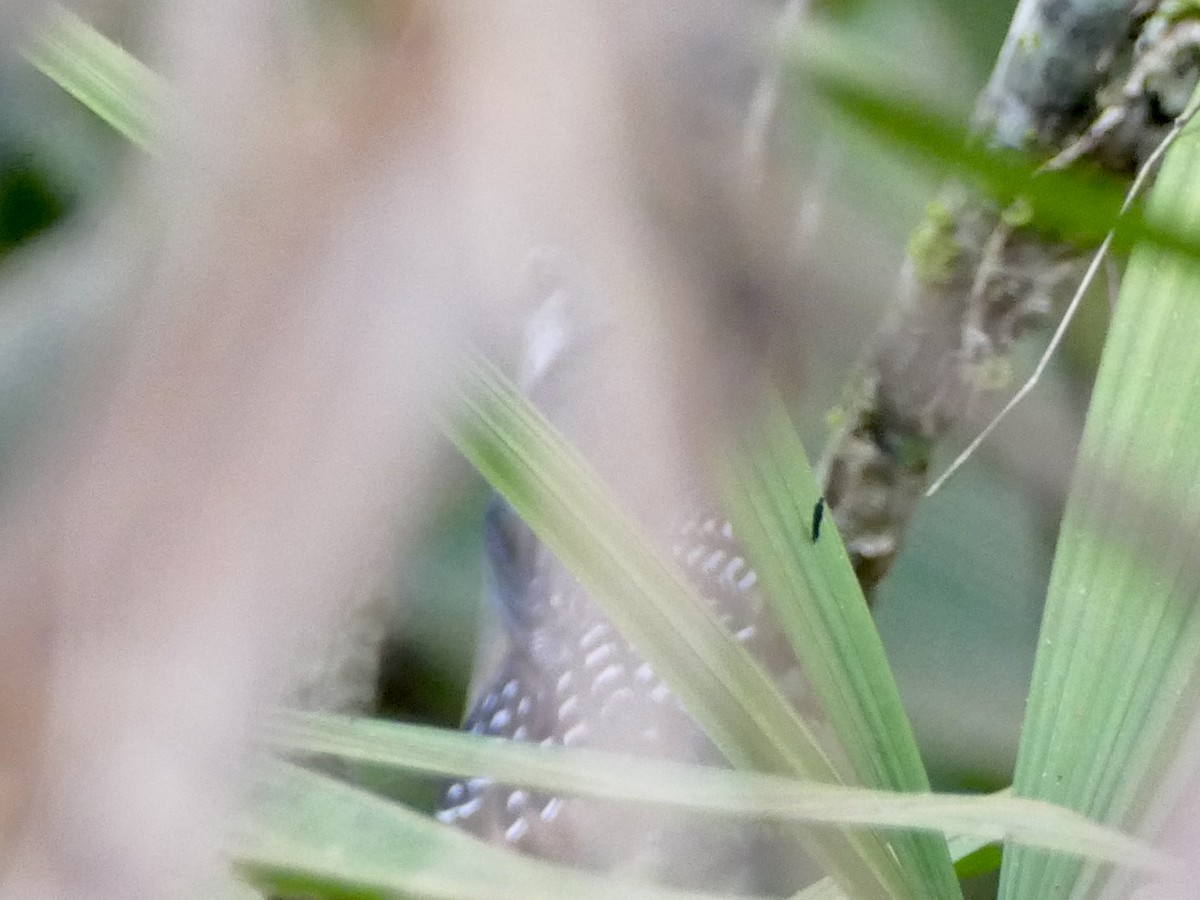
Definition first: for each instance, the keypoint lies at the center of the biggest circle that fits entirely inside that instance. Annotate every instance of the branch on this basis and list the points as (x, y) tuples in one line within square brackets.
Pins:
[(978, 279)]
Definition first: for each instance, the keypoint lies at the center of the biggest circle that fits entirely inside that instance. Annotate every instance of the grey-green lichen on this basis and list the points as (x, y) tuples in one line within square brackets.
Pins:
[(994, 373), (933, 247), (1172, 11), (835, 419), (1017, 214)]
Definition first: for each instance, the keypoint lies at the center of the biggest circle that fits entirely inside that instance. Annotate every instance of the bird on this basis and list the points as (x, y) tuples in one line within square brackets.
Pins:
[(568, 678), (565, 676), (555, 671)]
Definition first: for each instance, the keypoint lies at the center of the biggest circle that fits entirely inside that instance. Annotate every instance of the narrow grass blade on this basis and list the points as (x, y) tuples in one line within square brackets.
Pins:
[(99, 74), (776, 508), (306, 834), (1078, 204), (700, 789), (654, 606), (1119, 654)]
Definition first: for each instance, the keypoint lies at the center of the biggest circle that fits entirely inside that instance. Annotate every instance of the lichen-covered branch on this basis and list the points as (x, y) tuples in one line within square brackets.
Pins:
[(979, 277), (1055, 57), (975, 284)]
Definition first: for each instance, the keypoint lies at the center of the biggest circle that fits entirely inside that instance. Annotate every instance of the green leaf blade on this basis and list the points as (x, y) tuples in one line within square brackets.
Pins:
[(306, 834), (1078, 204), (100, 75), (812, 587), (698, 789), (654, 606), (1121, 636)]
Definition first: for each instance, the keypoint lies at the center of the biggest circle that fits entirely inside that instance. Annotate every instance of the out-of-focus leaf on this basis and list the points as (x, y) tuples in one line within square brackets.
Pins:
[(99, 74), (701, 789), (982, 861), (1079, 204), (305, 834)]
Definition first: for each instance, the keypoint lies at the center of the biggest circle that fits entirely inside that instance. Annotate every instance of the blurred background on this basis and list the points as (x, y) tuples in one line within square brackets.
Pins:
[(959, 611)]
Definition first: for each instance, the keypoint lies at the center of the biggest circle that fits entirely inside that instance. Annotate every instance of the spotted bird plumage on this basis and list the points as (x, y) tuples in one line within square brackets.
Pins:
[(568, 678)]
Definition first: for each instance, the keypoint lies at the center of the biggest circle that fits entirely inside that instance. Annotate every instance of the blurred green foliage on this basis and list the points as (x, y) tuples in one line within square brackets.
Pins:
[(429, 656), (30, 201)]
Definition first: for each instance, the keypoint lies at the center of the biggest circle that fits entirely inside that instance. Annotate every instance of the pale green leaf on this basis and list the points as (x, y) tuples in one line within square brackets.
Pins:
[(654, 606), (700, 789), (306, 834), (1119, 651), (773, 498), (99, 74)]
